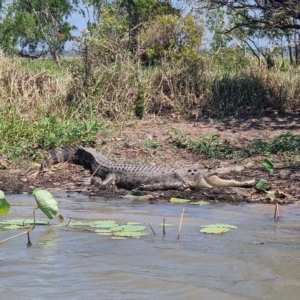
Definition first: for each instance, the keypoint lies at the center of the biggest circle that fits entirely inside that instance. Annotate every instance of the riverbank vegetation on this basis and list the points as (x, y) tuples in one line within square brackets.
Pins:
[(138, 58)]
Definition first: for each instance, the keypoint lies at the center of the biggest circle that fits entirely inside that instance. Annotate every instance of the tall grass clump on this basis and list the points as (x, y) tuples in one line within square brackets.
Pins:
[(34, 113), (242, 87)]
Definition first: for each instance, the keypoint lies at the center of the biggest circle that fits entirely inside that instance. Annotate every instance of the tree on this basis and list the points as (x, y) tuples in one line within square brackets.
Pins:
[(276, 20), (32, 28), (261, 14)]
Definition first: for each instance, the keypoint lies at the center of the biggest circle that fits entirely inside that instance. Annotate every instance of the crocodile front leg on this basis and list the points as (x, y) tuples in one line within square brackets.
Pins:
[(97, 181)]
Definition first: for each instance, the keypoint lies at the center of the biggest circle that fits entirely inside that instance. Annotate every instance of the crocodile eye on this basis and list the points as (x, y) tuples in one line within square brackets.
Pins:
[(189, 170), (195, 170)]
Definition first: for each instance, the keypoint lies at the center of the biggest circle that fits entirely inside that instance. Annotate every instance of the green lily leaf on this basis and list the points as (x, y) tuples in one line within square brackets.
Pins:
[(128, 228), (166, 224), (103, 224), (4, 205), (220, 226), (217, 228), (130, 233), (138, 198), (36, 190), (268, 165), (46, 203), (200, 203), (178, 200)]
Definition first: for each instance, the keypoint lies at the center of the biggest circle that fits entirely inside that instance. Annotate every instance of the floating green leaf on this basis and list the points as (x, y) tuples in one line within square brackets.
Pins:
[(261, 185), (200, 203), (13, 226), (138, 198), (46, 203), (103, 224), (103, 231), (4, 205), (220, 226), (133, 223), (166, 225), (178, 200), (130, 233), (78, 223), (128, 228), (19, 223), (268, 165), (217, 228)]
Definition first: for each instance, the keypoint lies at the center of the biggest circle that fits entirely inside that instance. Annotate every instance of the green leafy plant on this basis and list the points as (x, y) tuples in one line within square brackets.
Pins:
[(153, 144), (212, 146), (268, 165)]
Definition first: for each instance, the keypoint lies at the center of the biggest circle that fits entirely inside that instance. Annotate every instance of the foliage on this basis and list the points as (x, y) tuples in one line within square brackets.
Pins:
[(271, 15), (286, 142), (211, 146), (4, 205), (36, 27), (34, 112), (171, 36)]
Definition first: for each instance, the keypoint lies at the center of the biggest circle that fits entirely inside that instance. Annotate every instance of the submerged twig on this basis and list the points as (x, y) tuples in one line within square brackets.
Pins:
[(69, 221), (182, 213), (276, 213), (152, 229), (25, 232)]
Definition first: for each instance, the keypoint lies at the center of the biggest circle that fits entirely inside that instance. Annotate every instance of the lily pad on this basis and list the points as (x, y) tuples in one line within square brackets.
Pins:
[(13, 226), (200, 203), (133, 223), (166, 225), (214, 230), (128, 228), (46, 203), (220, 226), (103, 231), (217, 228), (17, 223), (130, 233), (179, 200), (4, 205), (138, 198), (103, 224), (36, 190)]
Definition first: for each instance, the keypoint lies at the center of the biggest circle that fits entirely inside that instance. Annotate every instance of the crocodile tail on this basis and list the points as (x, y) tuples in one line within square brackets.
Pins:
[(67, 153)]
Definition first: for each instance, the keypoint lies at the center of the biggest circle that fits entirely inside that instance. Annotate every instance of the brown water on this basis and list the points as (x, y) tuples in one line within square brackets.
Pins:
[(68, 263)]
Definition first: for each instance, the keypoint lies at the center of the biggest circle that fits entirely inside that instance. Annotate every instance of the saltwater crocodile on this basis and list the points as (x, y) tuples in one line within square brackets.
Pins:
[(129, 176)]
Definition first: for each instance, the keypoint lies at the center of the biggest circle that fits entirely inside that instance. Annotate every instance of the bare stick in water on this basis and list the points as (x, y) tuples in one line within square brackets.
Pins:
[(164, 228), (152, 229), (182, 213), (276, 213)]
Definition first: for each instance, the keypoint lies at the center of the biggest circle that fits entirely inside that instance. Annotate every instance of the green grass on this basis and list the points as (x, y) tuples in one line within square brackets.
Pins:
[(22, 139), (286, 144)]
